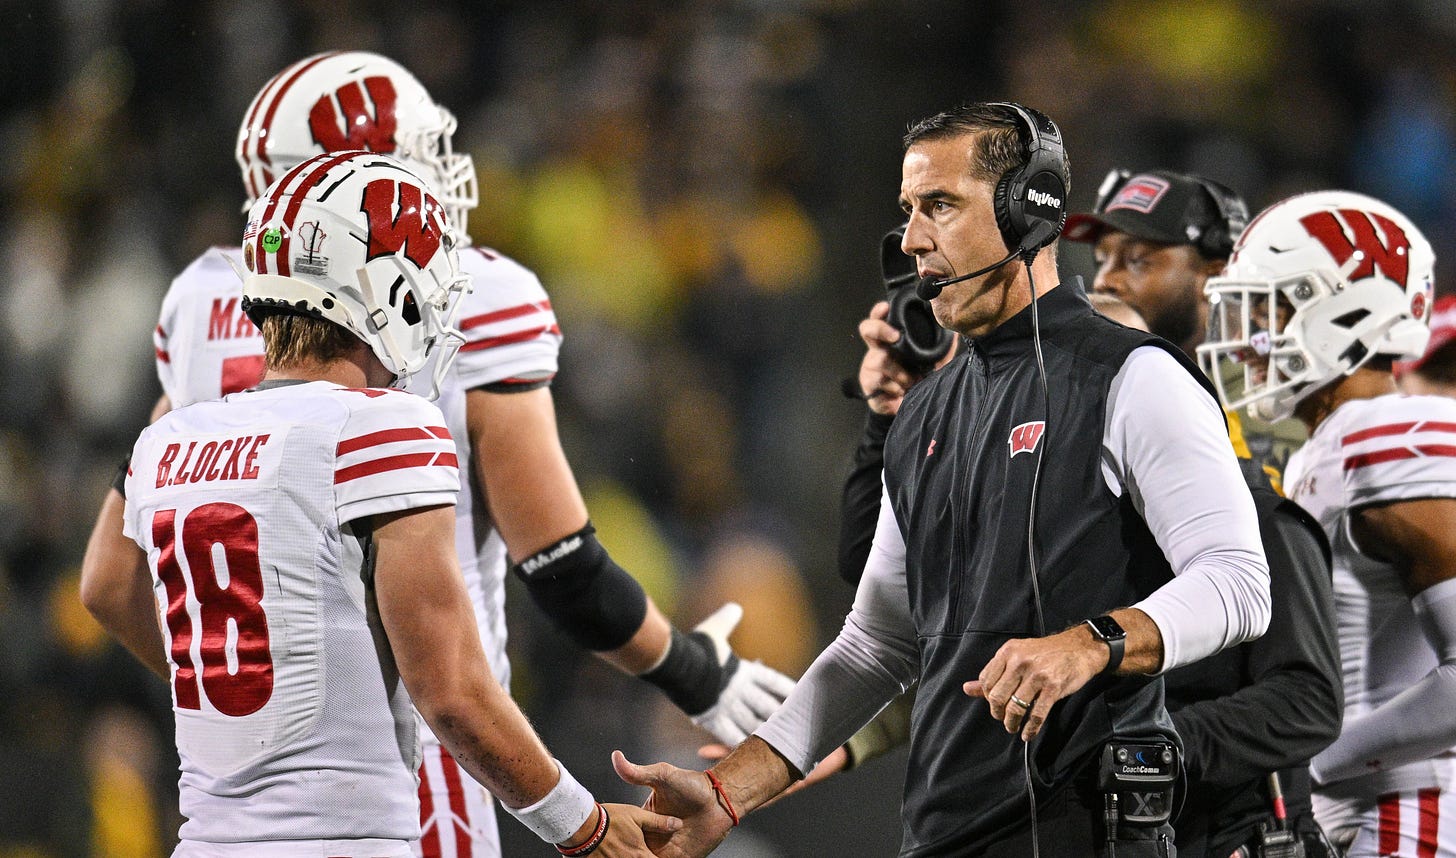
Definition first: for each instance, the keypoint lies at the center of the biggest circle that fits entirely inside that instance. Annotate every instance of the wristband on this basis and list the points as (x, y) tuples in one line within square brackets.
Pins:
[(597, 836), (560, 813), (723, 801), (689, 672)]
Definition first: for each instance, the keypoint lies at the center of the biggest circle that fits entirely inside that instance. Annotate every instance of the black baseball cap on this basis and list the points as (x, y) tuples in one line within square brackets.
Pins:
[(1163, 206)]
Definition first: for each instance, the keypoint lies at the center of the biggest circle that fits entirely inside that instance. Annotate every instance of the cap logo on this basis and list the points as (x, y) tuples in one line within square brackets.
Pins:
[(1140, 194)]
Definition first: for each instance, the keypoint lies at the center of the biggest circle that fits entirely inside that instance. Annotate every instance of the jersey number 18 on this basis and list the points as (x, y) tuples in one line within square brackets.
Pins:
[(221, 544)]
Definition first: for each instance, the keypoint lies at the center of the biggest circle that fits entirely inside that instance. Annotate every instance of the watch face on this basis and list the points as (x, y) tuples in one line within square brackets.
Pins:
[(1107, 628)]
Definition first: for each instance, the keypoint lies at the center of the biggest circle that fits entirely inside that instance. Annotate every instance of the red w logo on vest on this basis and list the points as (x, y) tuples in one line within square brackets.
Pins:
[(415, 227), (1392, 255), (356, 129), (1025, 437)]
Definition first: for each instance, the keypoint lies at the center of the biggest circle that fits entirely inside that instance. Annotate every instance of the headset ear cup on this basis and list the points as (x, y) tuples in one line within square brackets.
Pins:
[(1001, 203), (923, 342)]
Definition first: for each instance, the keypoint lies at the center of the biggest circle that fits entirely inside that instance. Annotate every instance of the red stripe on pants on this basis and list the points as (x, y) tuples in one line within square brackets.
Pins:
[(430, 837), (1389, 824), (457, 801), (1430, 817)]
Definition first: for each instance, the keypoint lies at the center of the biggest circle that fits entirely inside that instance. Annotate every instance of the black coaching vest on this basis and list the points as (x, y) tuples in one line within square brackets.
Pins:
[(958, 466)]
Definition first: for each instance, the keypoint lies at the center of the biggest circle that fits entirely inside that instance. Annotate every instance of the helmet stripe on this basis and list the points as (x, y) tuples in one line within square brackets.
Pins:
[(259, 254), (250, 132), (296, 200), (302, 67)]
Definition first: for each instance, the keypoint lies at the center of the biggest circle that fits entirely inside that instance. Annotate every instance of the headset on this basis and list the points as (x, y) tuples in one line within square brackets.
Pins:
[(1030, 201), (1215, 241), (1036, 192), (923, 342)]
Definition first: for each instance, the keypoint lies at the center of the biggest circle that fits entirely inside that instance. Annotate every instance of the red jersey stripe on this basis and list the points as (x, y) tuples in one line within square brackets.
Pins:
[(1367, 459), (510, 339), (387, 436), (163, 356), (392, 463), (508, 313), (1377, 432), (514, 380), (1397, 429), (1389, 823), (1381, 456)]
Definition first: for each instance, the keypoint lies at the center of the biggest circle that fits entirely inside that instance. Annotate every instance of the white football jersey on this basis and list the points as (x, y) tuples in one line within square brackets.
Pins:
[(207, 348), (291, 725), (1372, 451)]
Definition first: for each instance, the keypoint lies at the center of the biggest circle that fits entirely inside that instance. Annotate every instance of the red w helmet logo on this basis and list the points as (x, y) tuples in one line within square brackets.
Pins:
[(1358, 235), (1025, 437), (414, 227), (356, 129)]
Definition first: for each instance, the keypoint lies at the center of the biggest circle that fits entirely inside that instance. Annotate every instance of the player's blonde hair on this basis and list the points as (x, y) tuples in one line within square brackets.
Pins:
[(290, 340)]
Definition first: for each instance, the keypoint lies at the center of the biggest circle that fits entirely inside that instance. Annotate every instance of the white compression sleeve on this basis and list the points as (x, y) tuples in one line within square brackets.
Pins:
[(1167, 444), (873, 660), (1413, 725)]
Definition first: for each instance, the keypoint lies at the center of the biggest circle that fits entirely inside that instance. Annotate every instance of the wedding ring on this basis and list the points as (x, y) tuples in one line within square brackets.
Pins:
[(1019, 702)]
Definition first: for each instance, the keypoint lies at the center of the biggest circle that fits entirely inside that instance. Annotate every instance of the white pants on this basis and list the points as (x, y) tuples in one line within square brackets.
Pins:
[(1410, 824), (294, 849), (457, 815)]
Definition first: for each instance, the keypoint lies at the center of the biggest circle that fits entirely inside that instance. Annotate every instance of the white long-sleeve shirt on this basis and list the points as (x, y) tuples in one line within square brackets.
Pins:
[(1165, 443)]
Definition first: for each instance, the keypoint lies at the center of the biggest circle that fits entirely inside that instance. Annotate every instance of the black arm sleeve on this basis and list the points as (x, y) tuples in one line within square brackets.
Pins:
[(859, 508), (119, 481), (1290, 707)]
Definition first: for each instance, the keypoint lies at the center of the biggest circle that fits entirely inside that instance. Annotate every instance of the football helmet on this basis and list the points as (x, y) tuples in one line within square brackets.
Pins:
[(1317, 285), (353, 100), (358, 239)]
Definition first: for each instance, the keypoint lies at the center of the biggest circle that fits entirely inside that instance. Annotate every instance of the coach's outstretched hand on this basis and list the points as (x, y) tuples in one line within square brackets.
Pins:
[(682, 793)]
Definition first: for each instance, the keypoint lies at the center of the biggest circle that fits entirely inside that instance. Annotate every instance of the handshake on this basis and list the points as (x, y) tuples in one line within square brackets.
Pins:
[(702, 807)]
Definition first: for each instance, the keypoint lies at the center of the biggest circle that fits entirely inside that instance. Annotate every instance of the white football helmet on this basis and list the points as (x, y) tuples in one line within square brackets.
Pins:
[(353, 100), (358, 239), (1317, 285)]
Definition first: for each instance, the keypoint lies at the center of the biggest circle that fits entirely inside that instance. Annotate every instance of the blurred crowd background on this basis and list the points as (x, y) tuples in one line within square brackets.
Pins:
[(702, 186)]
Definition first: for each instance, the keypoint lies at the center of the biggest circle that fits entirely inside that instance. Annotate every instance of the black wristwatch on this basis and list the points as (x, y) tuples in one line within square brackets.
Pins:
[(1106, 629)]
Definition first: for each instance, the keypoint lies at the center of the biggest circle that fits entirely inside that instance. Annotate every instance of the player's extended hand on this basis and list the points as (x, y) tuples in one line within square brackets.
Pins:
[(633, 829), (1037, 672), (686, 795), (753, 692)]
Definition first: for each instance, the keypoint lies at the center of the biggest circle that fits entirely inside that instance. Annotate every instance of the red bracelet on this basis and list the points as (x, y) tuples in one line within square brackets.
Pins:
[(592, 842), (722, 796)]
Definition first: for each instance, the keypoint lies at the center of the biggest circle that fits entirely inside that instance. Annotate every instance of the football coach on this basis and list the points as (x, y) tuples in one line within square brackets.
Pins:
[(1063, 521)]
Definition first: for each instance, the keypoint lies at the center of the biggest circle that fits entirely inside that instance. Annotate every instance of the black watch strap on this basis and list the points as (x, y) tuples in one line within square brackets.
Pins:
[(1107, 630), (1115, 648)]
